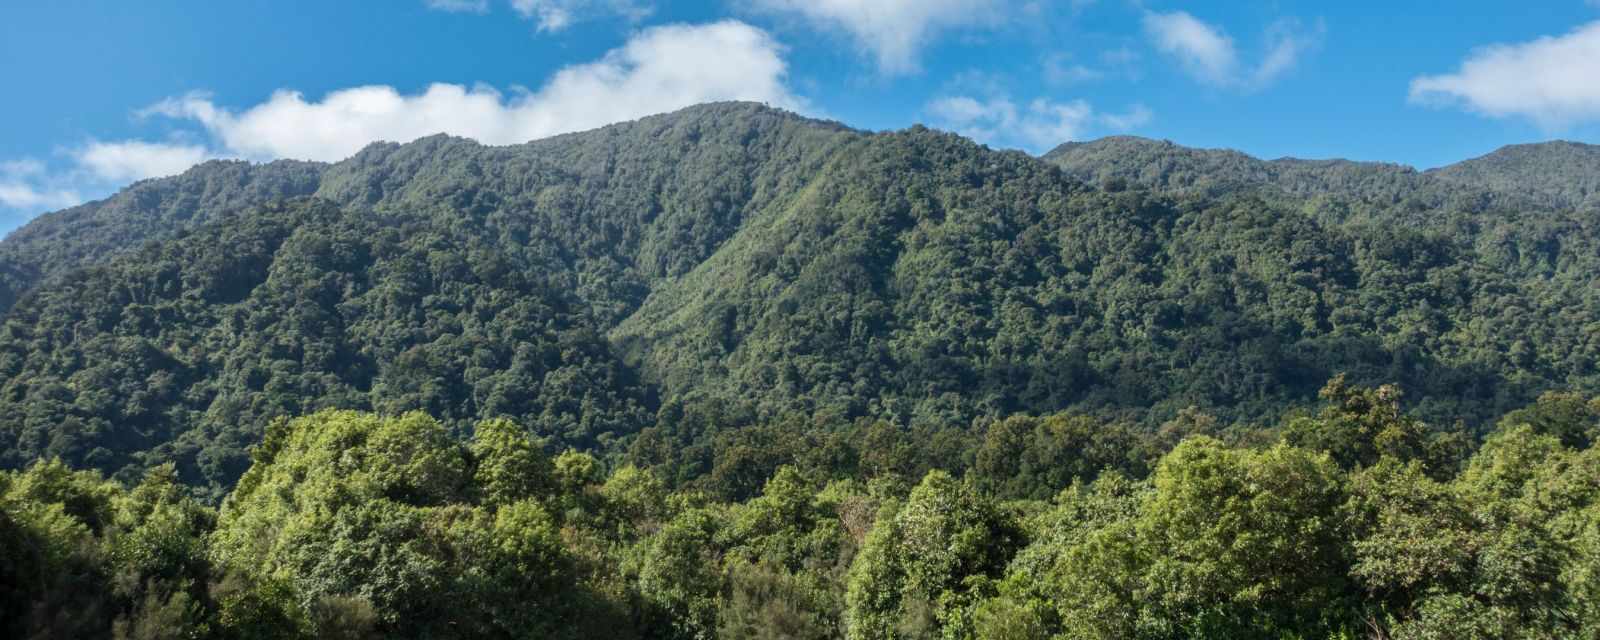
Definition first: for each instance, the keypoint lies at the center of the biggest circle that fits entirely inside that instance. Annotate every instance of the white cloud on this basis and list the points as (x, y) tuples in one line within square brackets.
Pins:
[(459, 6), (893, 31), (657, 70), (1288, 41), (1039, 125), (137, 160), (18, 195), (1209, 55), (1136, 116), (1206, 52), (1551, 81), (1122, 57), (22, 187), (660, 69), (29, 186), (1060, 70), (23, 167), (555, 15)]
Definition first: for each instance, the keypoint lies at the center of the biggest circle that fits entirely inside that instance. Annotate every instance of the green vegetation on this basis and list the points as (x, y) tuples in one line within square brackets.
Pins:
[(1560, 173), (600, 288), (152, 210), (730, 372), (349, 525)]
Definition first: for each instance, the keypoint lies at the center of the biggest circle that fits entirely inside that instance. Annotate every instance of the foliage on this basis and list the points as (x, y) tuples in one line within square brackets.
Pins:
[(353, 525), (730, 372), (1560, 172), (650, 289)]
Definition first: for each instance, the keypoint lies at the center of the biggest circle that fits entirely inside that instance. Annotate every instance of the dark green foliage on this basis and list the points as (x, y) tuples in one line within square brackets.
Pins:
[(153, 210), (390, 526), (809, 382), (927, 561), (467, 281), (696, 273), (1023, 457), (351, 525), (1360, 426), (1569, 417), (1333, 190), (182, 354), (84, 558), (768, 603), (1564, 174)]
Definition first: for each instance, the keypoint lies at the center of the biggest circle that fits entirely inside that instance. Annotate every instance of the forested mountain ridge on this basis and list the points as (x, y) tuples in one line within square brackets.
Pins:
[(90, 233), (1563, 174), (1031, 293), (384, 174), (600, 285), (1342, 190), (733, 373), (442, 274)]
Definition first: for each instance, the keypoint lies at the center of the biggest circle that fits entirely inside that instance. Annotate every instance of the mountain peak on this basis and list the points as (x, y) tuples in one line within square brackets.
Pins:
[(712, 113), (699, 115), (1539, 153), (1119, 141), (1558, 172)]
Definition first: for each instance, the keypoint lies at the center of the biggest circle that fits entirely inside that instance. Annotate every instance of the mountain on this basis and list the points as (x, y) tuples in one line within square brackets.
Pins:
[(440, 275), (87, 234), (1335, 190), (602, 285), (1162, 165), (1562, 174)]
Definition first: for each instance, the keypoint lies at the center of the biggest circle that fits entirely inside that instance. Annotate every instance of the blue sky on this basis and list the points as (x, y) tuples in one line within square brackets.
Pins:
[(103, 93)]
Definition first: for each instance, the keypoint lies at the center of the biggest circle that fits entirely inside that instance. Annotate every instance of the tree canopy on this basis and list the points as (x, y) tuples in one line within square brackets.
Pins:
[(731, 372), (594, 288), (354, 525)]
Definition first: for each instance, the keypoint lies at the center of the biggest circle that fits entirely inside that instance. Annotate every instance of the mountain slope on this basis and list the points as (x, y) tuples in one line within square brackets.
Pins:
[(442, 275), (925, 278), (1562, 174), (87, 234), (1334, 190), (586, 284)]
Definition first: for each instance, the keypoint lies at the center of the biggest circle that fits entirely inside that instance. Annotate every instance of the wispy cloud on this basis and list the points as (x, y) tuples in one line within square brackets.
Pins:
[(458, 6), (29, 186), (1136, 116), (1550, 81), (556, 15), (18, 195), (1062, 70), (550, 16), (1036, 126), (1288, 41), (22, 187), (893, 32), (1205, 51), (1209, 55)]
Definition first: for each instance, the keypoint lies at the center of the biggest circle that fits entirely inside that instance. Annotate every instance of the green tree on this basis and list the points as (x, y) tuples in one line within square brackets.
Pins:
[(924, 560), (1243, 543), (509, 465), (356, 521), (1360, 425)]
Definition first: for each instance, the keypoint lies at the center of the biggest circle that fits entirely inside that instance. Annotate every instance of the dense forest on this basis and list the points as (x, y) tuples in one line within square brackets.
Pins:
[(1353, 520), (731, 372)]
